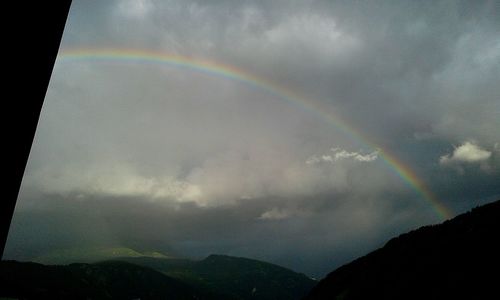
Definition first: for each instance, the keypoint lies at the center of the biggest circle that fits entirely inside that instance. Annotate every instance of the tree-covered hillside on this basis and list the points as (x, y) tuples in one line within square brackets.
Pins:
[(458, 259)]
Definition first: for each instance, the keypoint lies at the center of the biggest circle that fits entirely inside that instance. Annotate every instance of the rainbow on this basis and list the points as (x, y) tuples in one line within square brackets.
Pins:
[(213, 68)]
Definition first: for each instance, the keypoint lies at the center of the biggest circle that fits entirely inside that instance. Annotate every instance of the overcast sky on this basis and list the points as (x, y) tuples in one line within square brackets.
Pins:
[(192, 163)]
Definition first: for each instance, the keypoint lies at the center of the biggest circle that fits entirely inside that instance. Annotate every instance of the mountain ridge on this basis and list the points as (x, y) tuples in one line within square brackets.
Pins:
[(147, 277), (240, 277), (105, 280), (449, 260), (92, 255)]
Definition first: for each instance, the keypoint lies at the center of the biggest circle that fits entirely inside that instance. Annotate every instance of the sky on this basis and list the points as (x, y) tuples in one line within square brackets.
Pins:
[(285, 131)]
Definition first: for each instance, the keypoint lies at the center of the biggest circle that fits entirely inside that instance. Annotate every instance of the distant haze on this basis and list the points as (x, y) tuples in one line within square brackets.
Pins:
[(193, 163)]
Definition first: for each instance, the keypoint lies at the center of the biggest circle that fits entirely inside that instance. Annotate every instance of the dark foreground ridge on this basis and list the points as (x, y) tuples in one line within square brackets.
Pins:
[(107, 280), (458, 259), (215, 277), (238, 277)]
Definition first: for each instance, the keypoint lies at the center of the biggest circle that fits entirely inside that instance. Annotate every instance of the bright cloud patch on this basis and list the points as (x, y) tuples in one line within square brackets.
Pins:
[(275, 214), (118, 181), (468, 153), (340, 154)]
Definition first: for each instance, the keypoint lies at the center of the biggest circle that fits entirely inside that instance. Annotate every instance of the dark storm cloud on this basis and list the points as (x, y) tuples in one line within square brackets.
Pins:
[(195, 163), (55, 222)]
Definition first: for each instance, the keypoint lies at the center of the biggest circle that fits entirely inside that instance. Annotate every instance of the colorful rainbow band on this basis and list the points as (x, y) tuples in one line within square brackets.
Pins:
[(230, 72)]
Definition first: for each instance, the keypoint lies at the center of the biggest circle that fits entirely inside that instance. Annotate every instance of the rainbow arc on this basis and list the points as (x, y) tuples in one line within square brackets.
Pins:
[(402, 170)]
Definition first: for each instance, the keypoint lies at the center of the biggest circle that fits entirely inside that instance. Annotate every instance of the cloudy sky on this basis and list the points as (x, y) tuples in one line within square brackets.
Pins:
[(157, 156)]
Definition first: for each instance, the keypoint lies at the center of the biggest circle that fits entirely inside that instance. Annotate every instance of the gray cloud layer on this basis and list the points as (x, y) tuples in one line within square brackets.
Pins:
[(192, 163)]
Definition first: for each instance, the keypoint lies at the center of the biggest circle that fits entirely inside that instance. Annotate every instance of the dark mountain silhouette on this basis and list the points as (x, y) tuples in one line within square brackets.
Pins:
[(92, 255), (152, 277), (457, 259), (241, 278), (106, 280)]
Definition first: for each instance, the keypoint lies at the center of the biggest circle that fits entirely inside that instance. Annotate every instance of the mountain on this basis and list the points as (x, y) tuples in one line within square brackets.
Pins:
[(152, 277), (457, 259), (238, 277), (106, 280), (92, 255)]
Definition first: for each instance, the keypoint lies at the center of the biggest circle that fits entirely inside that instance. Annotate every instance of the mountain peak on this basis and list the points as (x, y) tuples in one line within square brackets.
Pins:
[(451, 260), (92, 254)]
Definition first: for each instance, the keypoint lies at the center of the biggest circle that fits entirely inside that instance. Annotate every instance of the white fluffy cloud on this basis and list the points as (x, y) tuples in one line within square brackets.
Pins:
[(117, 180), (223, 179), (468, 152), (340, 154)]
